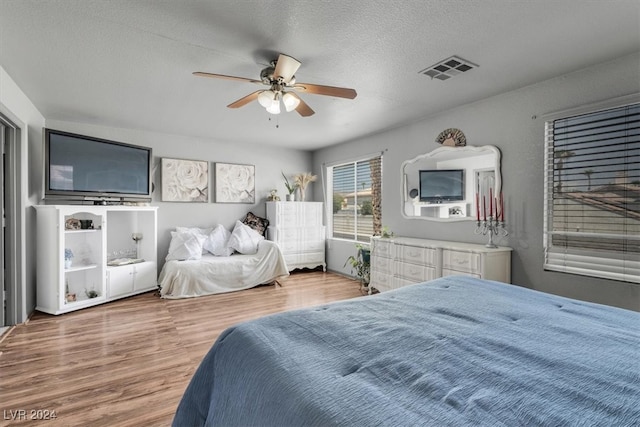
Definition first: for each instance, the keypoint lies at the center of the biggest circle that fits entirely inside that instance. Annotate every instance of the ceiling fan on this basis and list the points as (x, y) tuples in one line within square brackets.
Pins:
[(279, 76)]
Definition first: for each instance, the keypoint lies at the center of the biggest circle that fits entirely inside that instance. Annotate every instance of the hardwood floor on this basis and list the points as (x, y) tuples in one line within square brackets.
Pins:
[(127, 363)]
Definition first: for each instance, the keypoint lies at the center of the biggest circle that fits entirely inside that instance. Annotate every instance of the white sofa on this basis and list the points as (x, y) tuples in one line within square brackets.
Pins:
[(214, 260)]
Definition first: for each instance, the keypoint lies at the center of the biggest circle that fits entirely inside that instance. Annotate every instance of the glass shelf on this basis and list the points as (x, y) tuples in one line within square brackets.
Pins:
[(80, 268), (87, 230)]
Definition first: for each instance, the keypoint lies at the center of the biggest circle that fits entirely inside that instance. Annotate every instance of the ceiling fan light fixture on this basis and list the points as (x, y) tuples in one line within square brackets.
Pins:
[(290, 102), (274, 108), (265, 98)]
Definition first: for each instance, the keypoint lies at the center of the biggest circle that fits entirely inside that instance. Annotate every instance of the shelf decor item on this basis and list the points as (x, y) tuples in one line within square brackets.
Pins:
[(494, 224), (185, 180), (452, 138), (91, 293), (302, 180), (72, 224), (235, 183), (69, 297), (68, 257), (273, 196)]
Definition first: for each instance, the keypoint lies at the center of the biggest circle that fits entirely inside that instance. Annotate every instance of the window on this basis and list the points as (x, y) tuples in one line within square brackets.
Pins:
[(356, 199), (592, 194)]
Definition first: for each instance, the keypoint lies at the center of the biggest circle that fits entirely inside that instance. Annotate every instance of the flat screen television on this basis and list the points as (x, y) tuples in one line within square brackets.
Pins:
[(441, 185), (88, 168)]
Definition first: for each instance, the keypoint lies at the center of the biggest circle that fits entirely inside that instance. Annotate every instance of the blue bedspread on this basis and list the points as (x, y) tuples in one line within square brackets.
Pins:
[(451, 352)]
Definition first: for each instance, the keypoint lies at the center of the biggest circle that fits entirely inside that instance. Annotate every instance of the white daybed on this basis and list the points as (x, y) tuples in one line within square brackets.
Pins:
[(191, 271), (214, 274)]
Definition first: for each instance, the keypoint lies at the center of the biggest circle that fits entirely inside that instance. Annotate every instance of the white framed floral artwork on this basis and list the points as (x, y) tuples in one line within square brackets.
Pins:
[(185, 180), (235, 183)]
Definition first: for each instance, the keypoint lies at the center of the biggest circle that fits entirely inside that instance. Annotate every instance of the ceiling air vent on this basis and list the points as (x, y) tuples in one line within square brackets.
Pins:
[(448, 68)]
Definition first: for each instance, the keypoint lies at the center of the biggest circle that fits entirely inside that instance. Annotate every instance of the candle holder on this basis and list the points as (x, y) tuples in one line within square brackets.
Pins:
[(491, 226)]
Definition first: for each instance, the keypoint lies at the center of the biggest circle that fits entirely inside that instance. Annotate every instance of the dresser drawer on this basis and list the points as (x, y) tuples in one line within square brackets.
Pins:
[(382, 248), (294, 214), (314, 245), (415, 273), (300, 238), (382, 265), (381, 281), (312, 257), (280, 234), (284, 214), (468, 262), (447, 272), (416, 255), (312, 233), (310, 214)]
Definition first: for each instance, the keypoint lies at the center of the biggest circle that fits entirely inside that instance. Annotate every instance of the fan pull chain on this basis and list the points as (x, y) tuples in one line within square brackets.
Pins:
[(277, 122)]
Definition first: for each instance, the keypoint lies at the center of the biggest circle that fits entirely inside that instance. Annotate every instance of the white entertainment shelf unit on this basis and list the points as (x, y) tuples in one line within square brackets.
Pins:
[(90, 279)]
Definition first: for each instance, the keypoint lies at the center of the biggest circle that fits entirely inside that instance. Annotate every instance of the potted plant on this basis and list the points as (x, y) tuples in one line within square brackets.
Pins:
[(291, 188), (360, 264), (386, 232)]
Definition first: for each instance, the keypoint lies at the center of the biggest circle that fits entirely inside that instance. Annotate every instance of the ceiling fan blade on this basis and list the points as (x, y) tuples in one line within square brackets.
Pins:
[(222, 76), (340, 92), (303, 109), (245, 100), (286, 67)]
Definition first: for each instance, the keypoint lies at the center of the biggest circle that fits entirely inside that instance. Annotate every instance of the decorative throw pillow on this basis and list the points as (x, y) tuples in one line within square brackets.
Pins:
[(196, 230), (257, 223), (244, 239), (185, 246), (217, 242)]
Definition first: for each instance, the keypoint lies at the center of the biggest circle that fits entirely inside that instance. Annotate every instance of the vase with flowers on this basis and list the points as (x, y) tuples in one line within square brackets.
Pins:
[(301, 180), (68, 256)]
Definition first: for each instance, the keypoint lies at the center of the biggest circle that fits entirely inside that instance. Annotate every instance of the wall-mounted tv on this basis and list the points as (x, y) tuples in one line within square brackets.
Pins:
[(88, 168), (441, 185)]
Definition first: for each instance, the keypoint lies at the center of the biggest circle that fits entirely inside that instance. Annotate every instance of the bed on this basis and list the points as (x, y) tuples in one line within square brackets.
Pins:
[(218, 274), (451, 352)]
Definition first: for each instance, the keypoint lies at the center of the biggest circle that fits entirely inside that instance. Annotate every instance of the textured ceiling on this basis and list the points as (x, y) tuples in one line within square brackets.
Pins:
[(128, 63)]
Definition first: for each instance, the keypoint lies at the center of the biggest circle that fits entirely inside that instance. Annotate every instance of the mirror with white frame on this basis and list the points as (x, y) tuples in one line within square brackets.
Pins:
[(450, 183)]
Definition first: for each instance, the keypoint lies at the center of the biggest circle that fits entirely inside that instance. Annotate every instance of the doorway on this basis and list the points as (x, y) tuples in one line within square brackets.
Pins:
[(9, 217)]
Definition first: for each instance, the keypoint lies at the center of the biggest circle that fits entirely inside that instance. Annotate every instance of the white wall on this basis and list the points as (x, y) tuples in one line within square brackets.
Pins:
[(15, 105), (268, 161), (512, 122)]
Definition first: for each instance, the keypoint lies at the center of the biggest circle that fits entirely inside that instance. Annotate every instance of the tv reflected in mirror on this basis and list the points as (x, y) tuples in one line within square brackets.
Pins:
[(441, 185)]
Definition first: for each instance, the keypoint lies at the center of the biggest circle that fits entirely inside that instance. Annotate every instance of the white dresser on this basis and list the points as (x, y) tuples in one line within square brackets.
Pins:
[(297, 229), (401, 261)]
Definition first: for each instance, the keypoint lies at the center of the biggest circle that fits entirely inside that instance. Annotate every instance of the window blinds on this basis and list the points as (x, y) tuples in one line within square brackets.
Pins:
[(592, 194), (357, 199)]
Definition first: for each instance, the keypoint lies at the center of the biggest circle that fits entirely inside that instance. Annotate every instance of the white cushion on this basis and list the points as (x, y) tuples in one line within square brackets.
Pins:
[(244, 239), (217, 242), (185, 246), (196, 230)]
